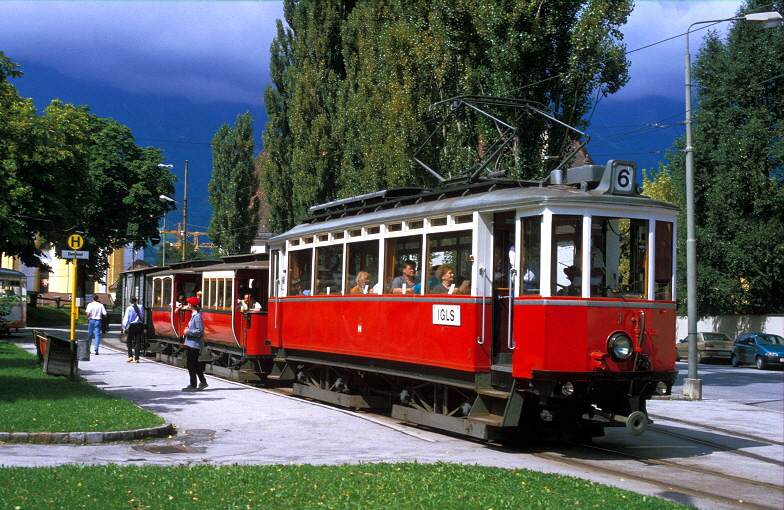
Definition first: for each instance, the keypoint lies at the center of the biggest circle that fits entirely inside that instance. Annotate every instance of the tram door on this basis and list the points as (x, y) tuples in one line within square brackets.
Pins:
[(503, 286)]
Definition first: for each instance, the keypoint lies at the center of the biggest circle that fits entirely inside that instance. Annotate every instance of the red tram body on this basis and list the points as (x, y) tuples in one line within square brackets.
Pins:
[(559, 321)]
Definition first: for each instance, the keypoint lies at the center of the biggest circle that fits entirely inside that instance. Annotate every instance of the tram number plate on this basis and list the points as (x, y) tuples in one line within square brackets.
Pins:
[(446, 315)]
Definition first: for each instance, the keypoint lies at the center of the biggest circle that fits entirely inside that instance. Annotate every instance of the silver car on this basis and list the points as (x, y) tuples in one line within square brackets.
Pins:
[(716, 346)]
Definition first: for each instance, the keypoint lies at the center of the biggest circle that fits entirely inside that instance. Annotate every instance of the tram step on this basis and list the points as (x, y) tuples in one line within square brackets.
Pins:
[(492, 420), (490, 392)]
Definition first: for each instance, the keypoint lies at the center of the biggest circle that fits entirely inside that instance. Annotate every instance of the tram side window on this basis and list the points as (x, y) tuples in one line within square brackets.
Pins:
[(217, 293), (401, 253), (449, 252), (157, 289), (663, 261), (619, 257), (530, 263), (167, 292), (329, 260), (362, 257), (566, 249), (300, 272)]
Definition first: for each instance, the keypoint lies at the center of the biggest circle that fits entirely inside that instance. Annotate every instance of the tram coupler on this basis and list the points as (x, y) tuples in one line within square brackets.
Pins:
[(636, 423)]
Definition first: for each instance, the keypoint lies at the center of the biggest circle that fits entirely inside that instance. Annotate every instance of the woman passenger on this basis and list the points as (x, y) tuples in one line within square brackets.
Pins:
[(446, 275), (361, 287)]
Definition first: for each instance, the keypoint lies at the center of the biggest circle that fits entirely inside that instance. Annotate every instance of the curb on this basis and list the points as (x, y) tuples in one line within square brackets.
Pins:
[(164, 430)]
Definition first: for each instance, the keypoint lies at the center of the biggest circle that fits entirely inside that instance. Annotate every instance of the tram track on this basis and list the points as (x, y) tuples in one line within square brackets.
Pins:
[(714, 485)]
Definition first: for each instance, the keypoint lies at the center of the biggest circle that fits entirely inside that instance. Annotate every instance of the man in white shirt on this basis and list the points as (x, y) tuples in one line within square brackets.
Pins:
[(95, 311)]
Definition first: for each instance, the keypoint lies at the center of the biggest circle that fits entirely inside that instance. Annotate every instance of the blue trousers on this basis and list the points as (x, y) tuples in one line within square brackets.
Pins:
[(94, 325)]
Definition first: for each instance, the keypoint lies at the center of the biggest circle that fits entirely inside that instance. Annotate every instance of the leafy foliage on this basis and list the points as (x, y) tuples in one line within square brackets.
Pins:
[(353, 83), (234, 188), (739, 171), (69, 171)]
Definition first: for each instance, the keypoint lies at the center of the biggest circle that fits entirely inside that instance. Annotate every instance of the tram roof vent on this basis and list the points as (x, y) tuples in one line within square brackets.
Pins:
[(591, 174)]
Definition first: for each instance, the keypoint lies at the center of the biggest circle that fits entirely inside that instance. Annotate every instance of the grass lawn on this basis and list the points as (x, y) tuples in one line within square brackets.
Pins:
[(49, 316), (31, 401), (371, 486)]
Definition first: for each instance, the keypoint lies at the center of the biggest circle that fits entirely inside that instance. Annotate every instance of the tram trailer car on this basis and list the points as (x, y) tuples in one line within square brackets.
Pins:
[(235, 341), (559, 319)]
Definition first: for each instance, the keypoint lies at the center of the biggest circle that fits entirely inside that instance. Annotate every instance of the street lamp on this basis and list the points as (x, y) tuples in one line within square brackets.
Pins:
[(164, 198), (692, 386)]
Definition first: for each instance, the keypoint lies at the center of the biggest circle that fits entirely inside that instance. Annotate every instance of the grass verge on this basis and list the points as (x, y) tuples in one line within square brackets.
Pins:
[(49, 316), (373, 486), (31, 401)]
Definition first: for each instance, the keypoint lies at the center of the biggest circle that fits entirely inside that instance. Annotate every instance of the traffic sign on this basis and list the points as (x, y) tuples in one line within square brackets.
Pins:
[(68, 254), (75, 241)]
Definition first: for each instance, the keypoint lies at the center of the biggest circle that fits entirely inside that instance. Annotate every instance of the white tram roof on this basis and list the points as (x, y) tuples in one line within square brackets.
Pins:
[(485, 196)]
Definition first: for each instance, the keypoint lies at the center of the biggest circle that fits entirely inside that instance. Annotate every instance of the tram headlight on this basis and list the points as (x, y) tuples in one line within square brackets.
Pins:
[(567, 389), (661, 388), (619, 345)]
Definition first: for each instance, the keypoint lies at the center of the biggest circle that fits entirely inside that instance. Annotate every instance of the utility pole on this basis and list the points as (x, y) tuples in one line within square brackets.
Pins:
[(185, 212)]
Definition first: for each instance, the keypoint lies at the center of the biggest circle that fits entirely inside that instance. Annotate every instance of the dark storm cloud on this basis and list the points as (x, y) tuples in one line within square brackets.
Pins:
[(202, 51)]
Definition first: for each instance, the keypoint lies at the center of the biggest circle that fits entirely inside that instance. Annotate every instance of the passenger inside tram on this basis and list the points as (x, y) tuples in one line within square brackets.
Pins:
[(446, 276), (362, 283), (404, 284), (248, 304)]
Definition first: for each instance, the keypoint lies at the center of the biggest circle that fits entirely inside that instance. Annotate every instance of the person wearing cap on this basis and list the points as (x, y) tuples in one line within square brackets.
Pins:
[(194, 342)]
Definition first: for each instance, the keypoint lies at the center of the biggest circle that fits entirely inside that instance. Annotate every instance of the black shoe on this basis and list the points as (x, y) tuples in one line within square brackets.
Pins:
[(96, 352), (203, 385)]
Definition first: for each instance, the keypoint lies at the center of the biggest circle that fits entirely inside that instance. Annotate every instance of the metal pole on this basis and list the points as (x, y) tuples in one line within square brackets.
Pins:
[(185, 212), (74, 308), (163, 243), (693, 387)]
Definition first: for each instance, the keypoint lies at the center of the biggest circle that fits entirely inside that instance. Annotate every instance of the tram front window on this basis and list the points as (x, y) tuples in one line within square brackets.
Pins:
[(619, 257), (567, 249)]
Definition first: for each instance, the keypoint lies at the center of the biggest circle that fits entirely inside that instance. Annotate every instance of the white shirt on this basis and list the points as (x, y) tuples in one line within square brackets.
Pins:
[(95, 310)]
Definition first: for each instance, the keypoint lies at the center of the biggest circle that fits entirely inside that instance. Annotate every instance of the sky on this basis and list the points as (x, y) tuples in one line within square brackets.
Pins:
[(175, 71)]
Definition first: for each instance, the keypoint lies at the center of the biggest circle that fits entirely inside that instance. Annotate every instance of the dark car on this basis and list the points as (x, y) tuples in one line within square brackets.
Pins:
[(762, 349), (709, 346)]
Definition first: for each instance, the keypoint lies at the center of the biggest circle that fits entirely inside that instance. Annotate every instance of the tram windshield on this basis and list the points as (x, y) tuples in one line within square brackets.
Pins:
[(619, 257)]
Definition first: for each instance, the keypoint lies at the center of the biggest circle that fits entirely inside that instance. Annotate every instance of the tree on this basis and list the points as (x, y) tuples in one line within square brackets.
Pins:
[(69, 171), (234, 188), (353, 82), (739, 169)]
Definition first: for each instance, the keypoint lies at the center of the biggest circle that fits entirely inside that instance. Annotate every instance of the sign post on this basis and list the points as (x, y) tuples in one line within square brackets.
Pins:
[(74, 242)]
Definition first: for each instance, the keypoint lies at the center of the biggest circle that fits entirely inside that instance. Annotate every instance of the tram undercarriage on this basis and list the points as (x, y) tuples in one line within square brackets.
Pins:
[(469, 405)]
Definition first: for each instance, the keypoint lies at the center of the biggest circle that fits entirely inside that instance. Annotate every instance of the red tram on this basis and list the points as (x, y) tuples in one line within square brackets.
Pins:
[(543, 309), (236, 346)]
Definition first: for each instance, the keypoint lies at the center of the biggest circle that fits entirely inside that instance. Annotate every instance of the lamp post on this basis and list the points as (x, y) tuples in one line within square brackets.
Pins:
[(692, 386), (164, 198)]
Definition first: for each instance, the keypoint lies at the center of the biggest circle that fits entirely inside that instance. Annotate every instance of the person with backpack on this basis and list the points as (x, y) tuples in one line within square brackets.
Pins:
[(133, 324)]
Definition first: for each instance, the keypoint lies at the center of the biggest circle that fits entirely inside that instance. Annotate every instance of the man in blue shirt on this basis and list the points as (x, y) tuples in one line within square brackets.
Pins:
[(133, 324)]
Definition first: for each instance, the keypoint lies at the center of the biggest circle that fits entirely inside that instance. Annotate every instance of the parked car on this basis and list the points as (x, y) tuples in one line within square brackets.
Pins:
[(762, 349), (709, 346)]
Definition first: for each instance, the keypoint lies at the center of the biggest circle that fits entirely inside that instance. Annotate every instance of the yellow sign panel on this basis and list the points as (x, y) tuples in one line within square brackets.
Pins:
[(75, 241)]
